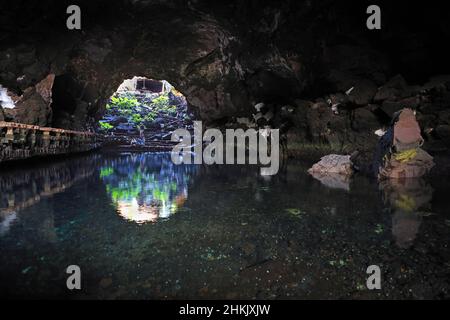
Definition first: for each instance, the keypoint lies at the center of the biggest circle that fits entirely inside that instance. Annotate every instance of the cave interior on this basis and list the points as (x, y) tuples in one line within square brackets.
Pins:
[(312, 69)]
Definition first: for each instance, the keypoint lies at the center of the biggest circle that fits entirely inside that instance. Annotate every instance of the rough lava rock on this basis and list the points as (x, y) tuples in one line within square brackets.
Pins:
[(333, 164), (33, 106), (227, 56)]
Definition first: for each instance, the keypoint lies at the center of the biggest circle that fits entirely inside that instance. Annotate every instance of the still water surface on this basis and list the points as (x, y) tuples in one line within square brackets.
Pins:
[(141, 227)]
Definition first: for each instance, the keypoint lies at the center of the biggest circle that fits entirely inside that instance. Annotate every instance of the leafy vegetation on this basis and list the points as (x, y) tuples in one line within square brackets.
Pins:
[(123, 193), (150, 116), (131, 187), (136, 118), (128, 106), (106, 126), (162, 105), (106, 172), (161, 102), (122, 103)]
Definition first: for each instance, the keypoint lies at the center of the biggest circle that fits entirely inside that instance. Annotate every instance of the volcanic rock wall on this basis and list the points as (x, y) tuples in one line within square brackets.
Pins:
[(226, 56)]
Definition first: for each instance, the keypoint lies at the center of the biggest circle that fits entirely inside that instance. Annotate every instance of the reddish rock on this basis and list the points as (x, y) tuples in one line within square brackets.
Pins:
[(333, 163)]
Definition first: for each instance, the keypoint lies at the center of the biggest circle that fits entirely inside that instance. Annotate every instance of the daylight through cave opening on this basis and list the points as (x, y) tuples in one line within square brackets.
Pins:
[(143, 113)]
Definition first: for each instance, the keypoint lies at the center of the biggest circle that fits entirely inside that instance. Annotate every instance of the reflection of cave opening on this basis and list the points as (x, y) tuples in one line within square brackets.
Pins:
[(143, 113), (146, 188)]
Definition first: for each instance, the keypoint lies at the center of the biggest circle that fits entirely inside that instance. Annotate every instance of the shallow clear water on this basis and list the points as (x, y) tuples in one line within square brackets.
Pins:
[(140, 227)]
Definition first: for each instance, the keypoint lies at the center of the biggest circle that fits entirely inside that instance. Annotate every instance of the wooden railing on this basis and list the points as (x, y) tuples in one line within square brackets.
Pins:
[(21, 141)]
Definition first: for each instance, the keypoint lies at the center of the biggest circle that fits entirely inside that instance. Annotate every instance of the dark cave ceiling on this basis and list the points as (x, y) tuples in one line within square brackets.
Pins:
[(225, 56)]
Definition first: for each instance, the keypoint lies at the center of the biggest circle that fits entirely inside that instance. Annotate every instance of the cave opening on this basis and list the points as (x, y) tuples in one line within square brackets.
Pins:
[(142, 113)]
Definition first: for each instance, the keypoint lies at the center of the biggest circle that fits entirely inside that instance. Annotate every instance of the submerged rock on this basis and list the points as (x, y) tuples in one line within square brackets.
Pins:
[(418, 165), (334, 164)]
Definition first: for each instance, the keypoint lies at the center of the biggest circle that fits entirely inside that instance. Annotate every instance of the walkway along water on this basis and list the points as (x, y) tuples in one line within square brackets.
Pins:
[(22, 141)]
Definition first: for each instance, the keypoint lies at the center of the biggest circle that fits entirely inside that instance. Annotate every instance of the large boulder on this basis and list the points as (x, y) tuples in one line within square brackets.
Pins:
[(443, 131), (419, 164), (363, 92), (33, 109), (395, 89), (333, 171), (33, 106), (365, 120), (389, 107), (318, 116), (440, 83), (399, 153), (44, 88), (333, 164), (444, 116)]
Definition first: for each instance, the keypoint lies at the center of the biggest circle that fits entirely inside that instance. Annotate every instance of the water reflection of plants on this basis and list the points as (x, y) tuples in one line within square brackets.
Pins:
[(146, 187)]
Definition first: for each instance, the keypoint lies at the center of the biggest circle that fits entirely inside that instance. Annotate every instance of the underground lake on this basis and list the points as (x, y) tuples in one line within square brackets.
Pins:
[(139, 226)]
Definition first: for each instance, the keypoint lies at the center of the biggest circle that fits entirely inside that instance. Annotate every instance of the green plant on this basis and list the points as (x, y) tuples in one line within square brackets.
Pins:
[(161, 102), (160, 195), (106, 126), (123, 103), (106, 172), (124, 193), (171, 109), (150, 116), (136, 118)]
